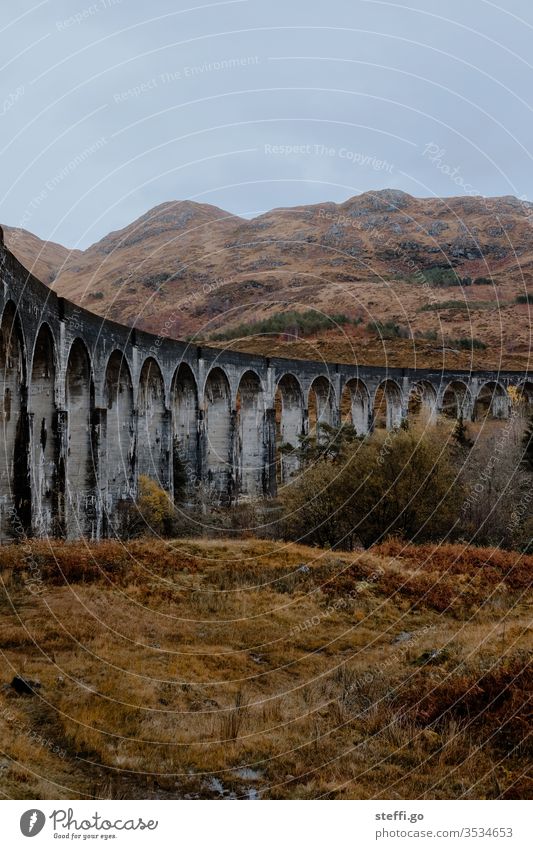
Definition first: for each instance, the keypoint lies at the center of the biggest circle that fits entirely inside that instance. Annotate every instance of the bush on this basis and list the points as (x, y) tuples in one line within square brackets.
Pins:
[(327, 443), (399, 483), (445, 276), (181, 479), (457, 305), (388, 330), (467, 343), (527, 444), (525, 299), (445, 305), (497, 482), (297, 323), (152, 513)]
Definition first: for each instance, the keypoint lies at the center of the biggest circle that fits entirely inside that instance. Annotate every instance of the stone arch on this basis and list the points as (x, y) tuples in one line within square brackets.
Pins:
[(456, 400), (250, 429), (45, 442), (321, 406), (289, 411), (152, 433), (218, 430), (15, 489), (355, 406), (185, 441), (79, 512), (422, 403), (387, 406), (120, 432), (492, 401)]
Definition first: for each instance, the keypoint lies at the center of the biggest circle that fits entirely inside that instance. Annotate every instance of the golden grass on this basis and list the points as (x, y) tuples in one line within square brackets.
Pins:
[(217, 668)]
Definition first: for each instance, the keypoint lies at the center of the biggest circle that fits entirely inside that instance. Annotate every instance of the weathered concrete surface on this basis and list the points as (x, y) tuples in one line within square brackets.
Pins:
[(88, 405)]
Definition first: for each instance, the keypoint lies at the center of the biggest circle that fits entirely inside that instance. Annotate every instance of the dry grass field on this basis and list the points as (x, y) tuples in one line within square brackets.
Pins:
[(258, 669)]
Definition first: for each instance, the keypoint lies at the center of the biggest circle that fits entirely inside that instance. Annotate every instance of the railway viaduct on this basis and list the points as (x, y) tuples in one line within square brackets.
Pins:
[(88, 405)]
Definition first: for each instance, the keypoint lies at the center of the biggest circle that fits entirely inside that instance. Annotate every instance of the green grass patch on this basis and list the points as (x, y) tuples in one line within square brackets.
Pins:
[(388, 330), (445, 276), (467, 343), (297, 323)]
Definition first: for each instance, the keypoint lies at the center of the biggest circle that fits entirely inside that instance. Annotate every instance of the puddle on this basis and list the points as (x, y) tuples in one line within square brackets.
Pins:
[(215, 785), (249, 774)]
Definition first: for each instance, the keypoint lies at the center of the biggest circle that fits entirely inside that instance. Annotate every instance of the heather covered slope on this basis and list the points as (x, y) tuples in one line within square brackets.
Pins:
[(186, 268), (143, 272), (45, 260)]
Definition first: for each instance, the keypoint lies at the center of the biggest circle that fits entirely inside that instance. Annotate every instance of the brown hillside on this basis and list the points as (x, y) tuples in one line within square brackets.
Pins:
[(45, 260), (192, 269)]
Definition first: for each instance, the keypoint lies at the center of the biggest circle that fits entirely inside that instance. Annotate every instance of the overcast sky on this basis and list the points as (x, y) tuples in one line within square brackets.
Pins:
[(113, 106)]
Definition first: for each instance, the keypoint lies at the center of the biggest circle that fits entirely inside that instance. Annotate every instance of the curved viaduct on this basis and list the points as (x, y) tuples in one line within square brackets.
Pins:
[(88, 405)]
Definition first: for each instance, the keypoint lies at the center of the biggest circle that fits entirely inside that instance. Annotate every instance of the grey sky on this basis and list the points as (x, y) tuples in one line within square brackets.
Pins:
[(109, 107)]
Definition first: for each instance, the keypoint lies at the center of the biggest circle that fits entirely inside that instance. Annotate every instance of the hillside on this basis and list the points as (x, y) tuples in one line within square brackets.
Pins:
[(188, 269), (45, 260), (256, 669)]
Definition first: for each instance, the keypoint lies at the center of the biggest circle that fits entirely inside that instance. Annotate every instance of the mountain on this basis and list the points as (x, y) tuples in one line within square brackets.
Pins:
[(45, 260), (426, 266)]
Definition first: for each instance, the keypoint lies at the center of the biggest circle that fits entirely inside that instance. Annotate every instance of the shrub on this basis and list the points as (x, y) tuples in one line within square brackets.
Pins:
[(445, 276), (445, 305), (467, 343), (460, 434), (388, 330), (429, 335), (497, 484), (457, 305), (181, 479), (297, 323), (395, 483), (495, 698), (525, 299), (527, 444), (329, 442), (152, 512)]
